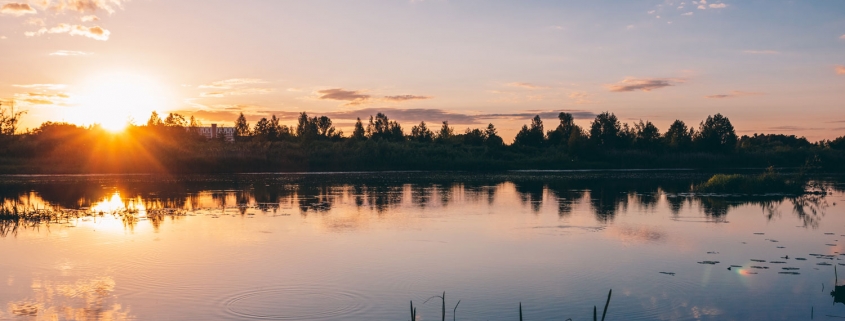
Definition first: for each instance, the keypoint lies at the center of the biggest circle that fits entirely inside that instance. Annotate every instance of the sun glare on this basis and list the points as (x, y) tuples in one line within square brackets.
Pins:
[(115, 100)]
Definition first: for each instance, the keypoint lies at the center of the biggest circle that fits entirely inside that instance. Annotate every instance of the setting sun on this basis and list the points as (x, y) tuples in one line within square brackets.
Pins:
[(115, 100)]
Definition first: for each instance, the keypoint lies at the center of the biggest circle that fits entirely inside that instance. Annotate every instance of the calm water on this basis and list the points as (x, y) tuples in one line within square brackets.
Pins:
[(360, 246)]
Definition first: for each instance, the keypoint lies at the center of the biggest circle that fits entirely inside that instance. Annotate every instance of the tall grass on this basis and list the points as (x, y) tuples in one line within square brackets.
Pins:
[(768, 182)]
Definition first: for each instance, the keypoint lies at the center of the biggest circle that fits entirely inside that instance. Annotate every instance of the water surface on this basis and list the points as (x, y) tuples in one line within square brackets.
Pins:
[(360, 246)]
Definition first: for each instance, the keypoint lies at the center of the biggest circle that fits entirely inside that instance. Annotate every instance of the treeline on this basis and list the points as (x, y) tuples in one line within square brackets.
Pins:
[(174, 144)]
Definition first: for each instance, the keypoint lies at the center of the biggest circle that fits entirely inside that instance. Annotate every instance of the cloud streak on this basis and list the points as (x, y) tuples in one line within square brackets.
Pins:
[(642, 84), (43, 86), (525, 85), (66, 53), (734, 94), (96, 32), (403, 98), (405, 115)]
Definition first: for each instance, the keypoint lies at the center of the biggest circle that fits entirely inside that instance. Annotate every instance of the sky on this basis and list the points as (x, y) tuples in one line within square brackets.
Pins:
[(769, 66)]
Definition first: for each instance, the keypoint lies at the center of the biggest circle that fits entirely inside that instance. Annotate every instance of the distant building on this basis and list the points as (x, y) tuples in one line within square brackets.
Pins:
[(214, 132)]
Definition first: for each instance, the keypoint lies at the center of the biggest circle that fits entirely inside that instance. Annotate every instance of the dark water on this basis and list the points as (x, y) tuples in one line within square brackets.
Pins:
[(361, 246)]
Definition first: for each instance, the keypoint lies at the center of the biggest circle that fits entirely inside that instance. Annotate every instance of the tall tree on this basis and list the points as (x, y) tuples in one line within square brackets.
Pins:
[(155, 120), (560, 135), (241, 128), (263, 130), (421, 133), (175, 120), (678, 137), (445, 133), (716, 134), (492, 137), (359, 133), (605, 130), (531, 136), (382, 128), (306, 128), (646, 135)]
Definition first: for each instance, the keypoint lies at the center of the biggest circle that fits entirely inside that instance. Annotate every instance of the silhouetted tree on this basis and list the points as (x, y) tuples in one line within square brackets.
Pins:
[(155, 120), (194, 123), (716, 134), (325, 128), (421, 133), (647, 135), (446, 133), (263, 130), (605, 130), (678, 137), (474, 137), (838, 143), (175, 120), (560, 135), (382, 128), (241, 128), (9, 120), (359, 133), (493, 138), (531, 136), (306, 128)]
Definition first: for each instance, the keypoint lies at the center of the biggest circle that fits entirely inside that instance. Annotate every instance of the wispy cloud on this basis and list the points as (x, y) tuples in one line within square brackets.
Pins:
[(525, 85), (90, 18), (761, 52), (794, 128), (43, 86), (687, 14), (643, 84), (234, 87), (580, 97), (96, 32), (41, 98), (17, 9), (734, 94), (402, 98), (237, 92), (35, 22), (840, 69), (353, 97), (232, 83), (718, 6), (65, 53)]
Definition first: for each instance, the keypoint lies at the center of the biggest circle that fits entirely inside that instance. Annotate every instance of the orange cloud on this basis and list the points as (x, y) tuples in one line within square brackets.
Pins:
[(840, 69), (17, 9)]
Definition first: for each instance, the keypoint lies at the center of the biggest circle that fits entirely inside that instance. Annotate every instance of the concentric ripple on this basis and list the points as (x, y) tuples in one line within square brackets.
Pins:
[(296, 303)]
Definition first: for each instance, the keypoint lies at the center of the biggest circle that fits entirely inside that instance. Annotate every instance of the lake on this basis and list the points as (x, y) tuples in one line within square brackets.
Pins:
[(361, 246)]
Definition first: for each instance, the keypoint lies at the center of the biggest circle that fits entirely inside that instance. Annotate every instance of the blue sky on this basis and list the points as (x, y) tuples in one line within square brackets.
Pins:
[(771, 66)]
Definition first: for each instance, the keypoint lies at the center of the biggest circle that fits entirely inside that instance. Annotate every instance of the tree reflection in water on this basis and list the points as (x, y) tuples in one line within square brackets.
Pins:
[(604, 194)]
